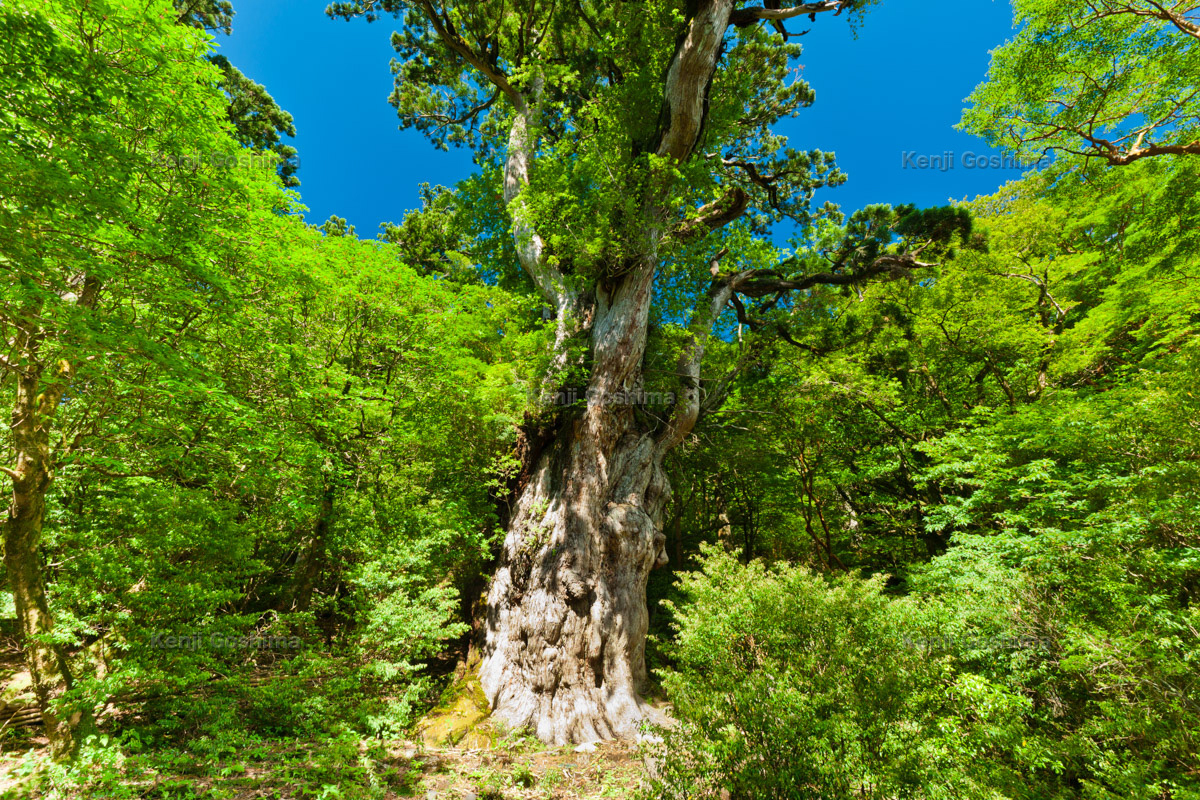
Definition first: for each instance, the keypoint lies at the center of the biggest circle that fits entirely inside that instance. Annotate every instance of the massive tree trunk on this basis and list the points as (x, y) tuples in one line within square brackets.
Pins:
[(567, 614), (567, 618), (567, 608)]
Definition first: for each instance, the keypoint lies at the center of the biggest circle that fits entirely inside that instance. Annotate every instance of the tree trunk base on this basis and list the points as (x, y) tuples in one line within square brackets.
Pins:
[(564, 655)]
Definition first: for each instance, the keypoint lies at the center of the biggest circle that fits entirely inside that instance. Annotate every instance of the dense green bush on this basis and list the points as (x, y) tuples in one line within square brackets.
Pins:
[(791, 685), (1051, 652)]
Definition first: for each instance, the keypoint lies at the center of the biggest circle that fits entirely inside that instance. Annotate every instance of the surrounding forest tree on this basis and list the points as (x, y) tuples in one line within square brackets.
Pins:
[(1099, 78), (100, 221), (1010, 443), (258, 120)]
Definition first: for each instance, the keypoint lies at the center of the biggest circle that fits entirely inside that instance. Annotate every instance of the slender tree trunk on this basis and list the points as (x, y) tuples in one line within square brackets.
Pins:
[(47, 663), (678, 526), (298, 596)]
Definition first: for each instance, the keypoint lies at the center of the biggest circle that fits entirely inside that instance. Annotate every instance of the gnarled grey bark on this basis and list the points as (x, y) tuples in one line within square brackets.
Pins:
[(567, 607), (567, 614)]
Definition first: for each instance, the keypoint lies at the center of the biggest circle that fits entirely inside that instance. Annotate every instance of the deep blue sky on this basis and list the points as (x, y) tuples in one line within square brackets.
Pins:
[(897, 88)]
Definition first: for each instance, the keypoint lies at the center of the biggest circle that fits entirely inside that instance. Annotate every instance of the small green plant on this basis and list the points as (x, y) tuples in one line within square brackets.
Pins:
[(552, 778), (521, 775), (788, 679)]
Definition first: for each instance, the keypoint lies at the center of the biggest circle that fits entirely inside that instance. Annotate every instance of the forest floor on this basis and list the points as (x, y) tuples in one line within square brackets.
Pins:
[(455, 753), (515, 769), (529, 770), (483, 764)]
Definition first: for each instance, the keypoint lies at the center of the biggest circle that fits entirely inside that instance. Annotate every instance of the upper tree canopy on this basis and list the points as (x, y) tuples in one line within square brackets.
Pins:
[(609, 120), (1109, 79)]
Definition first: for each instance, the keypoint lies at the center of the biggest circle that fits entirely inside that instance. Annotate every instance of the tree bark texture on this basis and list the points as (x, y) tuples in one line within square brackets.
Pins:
[(567, 616)]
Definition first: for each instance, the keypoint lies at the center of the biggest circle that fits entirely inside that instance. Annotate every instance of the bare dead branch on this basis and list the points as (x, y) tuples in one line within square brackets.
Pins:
[(748, 16)]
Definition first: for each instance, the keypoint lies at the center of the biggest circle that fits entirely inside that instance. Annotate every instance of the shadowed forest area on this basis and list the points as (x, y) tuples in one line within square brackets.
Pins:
[(622, 468)]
